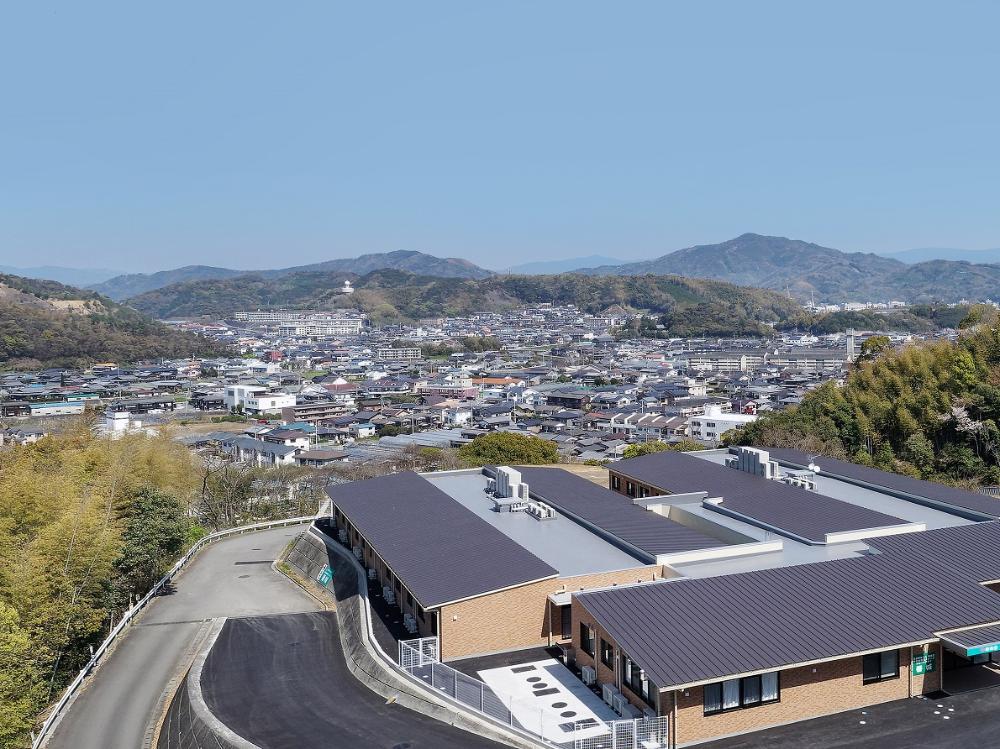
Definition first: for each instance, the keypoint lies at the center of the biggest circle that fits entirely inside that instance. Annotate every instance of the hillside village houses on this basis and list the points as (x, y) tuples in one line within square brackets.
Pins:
[(369, 393)]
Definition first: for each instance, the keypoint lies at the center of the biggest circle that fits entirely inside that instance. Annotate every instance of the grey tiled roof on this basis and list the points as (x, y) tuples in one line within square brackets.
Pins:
[(693, 630), (610, 511), (440, 550), (796, 511)]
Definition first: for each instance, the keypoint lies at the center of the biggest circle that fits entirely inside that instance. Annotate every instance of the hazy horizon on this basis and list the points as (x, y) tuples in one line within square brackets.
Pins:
[(231, 134)]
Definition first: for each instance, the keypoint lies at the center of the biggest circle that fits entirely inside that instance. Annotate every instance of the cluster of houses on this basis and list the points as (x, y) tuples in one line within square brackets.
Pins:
[(548, 370)]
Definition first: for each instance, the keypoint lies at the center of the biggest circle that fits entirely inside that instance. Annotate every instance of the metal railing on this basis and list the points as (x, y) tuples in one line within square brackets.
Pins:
[(419, 658), (131, 613)]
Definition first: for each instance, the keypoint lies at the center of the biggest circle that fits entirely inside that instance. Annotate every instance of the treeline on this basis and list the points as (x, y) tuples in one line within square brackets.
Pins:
[(87, 526), (693, 305), (473, 343), (929, 410), (920, 318)]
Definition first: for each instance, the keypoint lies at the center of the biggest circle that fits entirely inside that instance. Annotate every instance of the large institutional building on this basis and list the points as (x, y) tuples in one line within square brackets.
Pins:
[(726, 591)]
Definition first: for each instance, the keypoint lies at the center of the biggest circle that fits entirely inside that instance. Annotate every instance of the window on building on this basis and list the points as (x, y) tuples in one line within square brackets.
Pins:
[(880, 666), (566, 622), (586, 639), (616, 483), (734, 694), (607, 654), (409, 598), (630, 489), (635, 679)]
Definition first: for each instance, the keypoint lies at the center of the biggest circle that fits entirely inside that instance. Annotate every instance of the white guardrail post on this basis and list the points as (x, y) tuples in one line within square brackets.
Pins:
[(141, 604)]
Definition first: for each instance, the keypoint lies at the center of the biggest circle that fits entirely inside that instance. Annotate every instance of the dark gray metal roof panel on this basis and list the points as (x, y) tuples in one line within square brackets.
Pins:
[(692, 630), (970, 550), (440, 550), (976, 637), (798, 511), (948, 495), (651, 532)]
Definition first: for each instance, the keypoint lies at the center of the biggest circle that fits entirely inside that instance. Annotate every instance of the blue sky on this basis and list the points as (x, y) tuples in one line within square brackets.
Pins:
[(259, 134)]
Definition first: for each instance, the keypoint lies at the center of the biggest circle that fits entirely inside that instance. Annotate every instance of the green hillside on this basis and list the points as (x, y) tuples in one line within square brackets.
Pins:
[(45, 323), (390, 295)]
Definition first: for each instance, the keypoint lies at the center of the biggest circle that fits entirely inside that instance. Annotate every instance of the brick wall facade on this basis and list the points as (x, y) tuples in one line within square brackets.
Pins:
[(520, 617), (806, 692)]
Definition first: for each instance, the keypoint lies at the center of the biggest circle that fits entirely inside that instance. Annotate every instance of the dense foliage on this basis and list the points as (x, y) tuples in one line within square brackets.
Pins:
[(506, 448), (44, 323), (920, 318), (646, 448), (930, 410), (85, 524)]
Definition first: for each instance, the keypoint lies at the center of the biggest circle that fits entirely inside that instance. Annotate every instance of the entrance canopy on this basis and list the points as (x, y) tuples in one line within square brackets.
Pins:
[(974, 641)]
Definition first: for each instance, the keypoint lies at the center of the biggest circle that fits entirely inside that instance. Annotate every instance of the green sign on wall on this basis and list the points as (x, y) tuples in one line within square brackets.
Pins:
[(325, 575), (924, 663)]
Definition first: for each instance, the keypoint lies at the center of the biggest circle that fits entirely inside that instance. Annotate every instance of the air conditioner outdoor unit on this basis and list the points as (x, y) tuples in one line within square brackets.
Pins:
[(372, 573), (357, 552), (608, 692), (342, 535), (588, 675), (631, 711), (619, 704)]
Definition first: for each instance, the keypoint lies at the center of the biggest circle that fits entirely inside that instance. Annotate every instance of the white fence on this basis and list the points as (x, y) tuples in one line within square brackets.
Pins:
[(420, 659), (129, 615)]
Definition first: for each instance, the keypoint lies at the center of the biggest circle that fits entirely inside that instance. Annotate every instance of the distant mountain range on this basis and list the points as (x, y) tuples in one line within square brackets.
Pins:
[(71, 276), (545, 267), (806, 270), (923, 254), (126, 286), (803, 270)]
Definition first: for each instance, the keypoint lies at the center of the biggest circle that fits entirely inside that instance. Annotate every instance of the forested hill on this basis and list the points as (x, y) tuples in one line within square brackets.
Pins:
[(695, 306), (45, 323), (808, 270), (930, 410)]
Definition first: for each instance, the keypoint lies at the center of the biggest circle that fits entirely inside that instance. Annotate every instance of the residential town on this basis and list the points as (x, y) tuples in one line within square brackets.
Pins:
[(326, 388)]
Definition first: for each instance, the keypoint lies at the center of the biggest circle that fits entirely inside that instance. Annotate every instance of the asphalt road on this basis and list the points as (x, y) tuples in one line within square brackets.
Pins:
[(965, 720), (229, 578), (282, 683)]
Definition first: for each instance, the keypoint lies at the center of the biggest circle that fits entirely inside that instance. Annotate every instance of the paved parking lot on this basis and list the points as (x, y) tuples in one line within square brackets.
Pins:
[(966, 720)]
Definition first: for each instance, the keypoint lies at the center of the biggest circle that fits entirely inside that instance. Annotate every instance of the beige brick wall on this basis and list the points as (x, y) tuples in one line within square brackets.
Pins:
[(834, 687), (520, 617), (605, 675)]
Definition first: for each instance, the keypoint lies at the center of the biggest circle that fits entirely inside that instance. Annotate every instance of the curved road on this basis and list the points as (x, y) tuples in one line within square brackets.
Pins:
[(283, 683), (228, 578)]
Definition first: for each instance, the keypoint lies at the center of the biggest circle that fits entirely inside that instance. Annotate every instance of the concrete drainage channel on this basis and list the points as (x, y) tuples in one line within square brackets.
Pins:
[(189, 722)]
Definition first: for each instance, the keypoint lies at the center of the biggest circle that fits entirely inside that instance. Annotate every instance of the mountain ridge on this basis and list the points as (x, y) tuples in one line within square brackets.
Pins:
[(807, 270), (125, 286)]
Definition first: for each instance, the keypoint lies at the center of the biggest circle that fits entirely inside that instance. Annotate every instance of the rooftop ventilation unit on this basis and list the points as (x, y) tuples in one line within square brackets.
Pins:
[(754, 460), (509, 484)]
